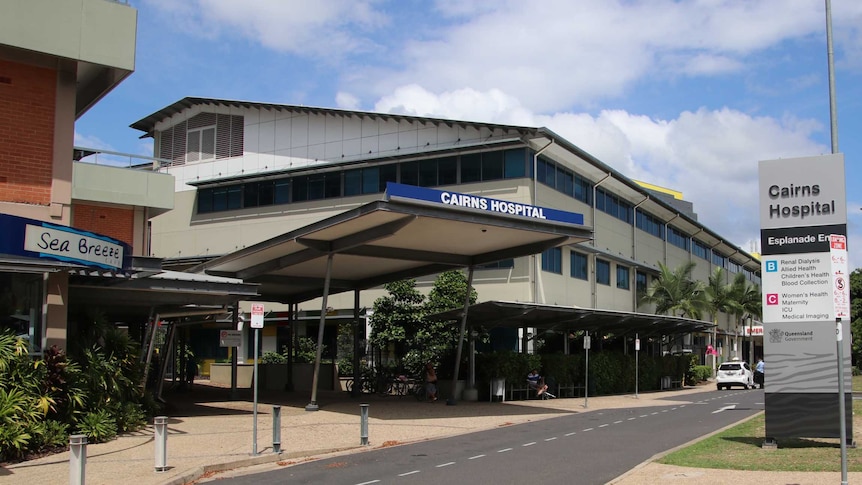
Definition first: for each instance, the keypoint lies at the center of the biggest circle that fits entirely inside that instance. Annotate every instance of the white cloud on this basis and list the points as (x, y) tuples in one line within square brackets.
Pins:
[(324, 27), (346, 101)]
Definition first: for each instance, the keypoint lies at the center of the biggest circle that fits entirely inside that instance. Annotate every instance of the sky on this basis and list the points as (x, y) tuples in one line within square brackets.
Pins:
[(684, 94)]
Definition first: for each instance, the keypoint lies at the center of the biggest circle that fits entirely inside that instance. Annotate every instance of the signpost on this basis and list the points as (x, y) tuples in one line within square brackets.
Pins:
[(587, 369), (802, 214), (256, 324)]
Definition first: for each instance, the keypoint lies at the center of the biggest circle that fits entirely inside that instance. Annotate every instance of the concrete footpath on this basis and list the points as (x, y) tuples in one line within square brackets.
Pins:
[(210, 436)]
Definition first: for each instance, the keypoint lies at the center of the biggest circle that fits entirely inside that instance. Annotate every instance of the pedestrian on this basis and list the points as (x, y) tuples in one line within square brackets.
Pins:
[(759, 376), (430, 382)]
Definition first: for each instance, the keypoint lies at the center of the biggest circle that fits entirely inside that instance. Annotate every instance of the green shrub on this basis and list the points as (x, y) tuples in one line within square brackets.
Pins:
[(273, 358), (129, 416), (702, 372), (48, 434), (99, 426), (14, 441)]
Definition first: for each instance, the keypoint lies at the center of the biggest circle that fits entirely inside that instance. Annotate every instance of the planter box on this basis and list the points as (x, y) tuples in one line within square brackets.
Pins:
[(220, 375), (273, 377)]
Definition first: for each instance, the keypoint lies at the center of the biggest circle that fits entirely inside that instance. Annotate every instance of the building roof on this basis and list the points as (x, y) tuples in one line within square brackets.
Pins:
[(508, 314), (541, 140)]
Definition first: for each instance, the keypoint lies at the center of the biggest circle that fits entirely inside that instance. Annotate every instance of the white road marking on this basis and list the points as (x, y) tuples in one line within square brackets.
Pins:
[(551, 439), (569, 434), (504, 450), (368, 483), (617, 422), (588, 429), (725, 408), (603, 425), (408, 473), (445, 464), (631, 419), (643, 415), (529, 444), (477, 456)]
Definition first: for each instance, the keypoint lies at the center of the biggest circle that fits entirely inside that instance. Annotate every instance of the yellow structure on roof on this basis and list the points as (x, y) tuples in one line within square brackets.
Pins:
[(673, 193)]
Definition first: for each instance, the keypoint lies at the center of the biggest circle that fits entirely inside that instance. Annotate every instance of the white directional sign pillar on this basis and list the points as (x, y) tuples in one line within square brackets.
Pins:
[(803, 219)]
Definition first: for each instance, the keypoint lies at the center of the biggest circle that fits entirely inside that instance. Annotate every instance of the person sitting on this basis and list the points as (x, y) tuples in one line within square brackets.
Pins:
[(430, 382), (536, 382)]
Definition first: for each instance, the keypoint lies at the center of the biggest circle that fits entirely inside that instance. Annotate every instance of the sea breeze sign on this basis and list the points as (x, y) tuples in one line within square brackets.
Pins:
[(32, 238), (480, 203)]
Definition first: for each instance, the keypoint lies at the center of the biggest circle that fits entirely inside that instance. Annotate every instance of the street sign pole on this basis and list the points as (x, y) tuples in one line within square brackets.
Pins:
[(637, 353), (587, 369), (256, 324)]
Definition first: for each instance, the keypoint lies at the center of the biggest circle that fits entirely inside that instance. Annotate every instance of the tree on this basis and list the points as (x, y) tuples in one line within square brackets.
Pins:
[(399, 320), (676, 293), (719, 299), (856, 316)]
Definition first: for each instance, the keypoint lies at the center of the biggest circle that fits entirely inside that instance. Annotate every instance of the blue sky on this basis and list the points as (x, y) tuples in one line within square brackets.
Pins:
[(684, 94)]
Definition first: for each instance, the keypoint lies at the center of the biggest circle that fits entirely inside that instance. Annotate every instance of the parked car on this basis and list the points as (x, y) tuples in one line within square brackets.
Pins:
[(734, 373)]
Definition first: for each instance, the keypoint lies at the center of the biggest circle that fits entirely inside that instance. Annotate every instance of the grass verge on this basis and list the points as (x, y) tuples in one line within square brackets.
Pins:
[(739, 448)]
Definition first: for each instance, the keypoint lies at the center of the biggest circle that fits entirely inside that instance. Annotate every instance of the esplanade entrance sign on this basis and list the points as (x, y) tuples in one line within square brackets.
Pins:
[(802, 207)]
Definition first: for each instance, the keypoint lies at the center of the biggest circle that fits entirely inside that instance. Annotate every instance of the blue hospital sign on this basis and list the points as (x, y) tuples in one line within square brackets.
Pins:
[(478, 202)]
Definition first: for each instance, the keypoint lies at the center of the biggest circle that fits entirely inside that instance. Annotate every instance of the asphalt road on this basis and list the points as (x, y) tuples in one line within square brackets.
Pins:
[(585, 448)]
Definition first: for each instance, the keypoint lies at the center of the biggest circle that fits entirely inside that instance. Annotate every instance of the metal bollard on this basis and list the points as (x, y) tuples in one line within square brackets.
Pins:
[(77, 459), (276, 429), (363, 424), (160, 423)]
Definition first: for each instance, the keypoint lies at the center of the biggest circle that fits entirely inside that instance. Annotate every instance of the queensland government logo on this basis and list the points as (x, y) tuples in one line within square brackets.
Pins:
[(776, 336)]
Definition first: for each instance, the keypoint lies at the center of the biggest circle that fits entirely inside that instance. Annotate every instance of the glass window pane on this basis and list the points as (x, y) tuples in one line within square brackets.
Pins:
[(410, 173), (250, 194), (299, 190), (471, 168), (282, 191), (370, 180), (234, 197), (265, 193), (388, 173), (333, 184), (428, 173), (447, 171), (603, 272), (205, 200), (220, 199), (352, 182), (316, 186), (492, 165), (515, 163)]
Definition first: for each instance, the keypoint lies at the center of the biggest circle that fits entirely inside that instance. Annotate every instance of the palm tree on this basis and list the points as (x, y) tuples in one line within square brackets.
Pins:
[(676, 293), (720, 299), (747, 297)]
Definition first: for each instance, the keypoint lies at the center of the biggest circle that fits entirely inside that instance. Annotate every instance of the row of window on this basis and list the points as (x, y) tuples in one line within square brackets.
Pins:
[(451, 170), (552, 261), (474, 167)]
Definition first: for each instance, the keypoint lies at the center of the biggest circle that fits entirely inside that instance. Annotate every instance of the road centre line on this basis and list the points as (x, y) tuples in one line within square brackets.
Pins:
[(603, 425), (477, 456), (551, 439), (631, 419), (643, 415), (588, 429), (569, 434), (369, 483), (445, 464), (529, 444), (617, 422), (504, 450), (408, 473)]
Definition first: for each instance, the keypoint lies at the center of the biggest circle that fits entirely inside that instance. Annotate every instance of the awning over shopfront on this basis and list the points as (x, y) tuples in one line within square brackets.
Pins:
[(505, 314), (414, 232)]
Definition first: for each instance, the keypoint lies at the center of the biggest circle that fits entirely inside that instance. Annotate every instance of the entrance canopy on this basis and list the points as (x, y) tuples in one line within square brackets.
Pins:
[(493, 314), (413, 232)]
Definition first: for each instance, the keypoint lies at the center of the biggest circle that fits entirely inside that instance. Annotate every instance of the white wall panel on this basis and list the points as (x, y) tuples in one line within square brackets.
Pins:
[(316, 129), (427, 136), (333, 151), (266, 137), (352, 148), (385, 127), (282, 133), (352, 128), (299, 131), (388, 143), (408, 139), (317, 152), (370, 145), (266, 115), (334, 128)]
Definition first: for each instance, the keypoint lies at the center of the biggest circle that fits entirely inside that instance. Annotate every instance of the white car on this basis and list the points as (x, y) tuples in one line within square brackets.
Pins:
[(735, 373)]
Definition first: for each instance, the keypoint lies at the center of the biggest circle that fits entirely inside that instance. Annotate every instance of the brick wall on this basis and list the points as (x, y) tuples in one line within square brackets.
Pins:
[(27, 105), (108, 221)]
